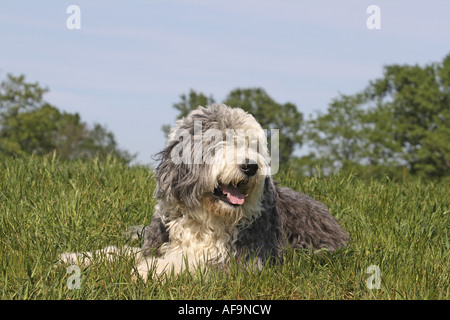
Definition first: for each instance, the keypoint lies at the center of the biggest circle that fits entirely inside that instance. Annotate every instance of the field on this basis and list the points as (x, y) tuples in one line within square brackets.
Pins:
[(399, 231)]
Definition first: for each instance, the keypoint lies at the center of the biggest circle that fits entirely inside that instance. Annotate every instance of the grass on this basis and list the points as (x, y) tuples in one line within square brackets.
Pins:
[(48, 207)]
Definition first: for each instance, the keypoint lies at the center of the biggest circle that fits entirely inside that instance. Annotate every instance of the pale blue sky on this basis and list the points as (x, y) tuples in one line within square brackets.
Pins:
[(132, 59)]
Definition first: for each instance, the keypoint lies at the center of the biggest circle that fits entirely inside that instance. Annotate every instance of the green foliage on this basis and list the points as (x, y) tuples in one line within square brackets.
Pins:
[(29, 125), (24, 117), (269, 113), (50, 206), (337, 134), (187, 104), (398, 126), (399, 122), (418, 102)]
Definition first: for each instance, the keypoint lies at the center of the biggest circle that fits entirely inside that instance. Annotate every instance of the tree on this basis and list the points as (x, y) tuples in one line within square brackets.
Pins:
[(418, 102), (337, 136), (100, 142), (401, 120), (30, 125), (26, 121), (188, 103), (269, 113)]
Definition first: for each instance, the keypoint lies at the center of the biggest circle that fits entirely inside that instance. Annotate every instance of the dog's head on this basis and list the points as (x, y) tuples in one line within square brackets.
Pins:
[(215, 158)]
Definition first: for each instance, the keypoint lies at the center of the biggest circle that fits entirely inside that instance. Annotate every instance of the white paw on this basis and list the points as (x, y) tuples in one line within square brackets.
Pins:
[(75, 258)]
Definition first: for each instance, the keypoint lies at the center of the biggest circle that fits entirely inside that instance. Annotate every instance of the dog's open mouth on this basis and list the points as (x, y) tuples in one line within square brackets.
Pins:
[(230, 194)]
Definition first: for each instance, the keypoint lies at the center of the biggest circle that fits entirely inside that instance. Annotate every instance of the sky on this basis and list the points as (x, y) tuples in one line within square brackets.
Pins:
[(130, 61)]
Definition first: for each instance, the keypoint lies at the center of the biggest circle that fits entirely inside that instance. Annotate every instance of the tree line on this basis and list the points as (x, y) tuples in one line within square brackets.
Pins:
[(397, 126), (30, 125)]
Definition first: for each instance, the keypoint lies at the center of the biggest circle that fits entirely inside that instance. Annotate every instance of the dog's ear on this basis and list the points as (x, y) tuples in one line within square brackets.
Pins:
[(178, 177)]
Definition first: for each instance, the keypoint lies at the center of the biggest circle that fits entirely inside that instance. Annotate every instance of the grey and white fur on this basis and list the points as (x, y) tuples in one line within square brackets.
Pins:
[(210, 212), (217, 200)]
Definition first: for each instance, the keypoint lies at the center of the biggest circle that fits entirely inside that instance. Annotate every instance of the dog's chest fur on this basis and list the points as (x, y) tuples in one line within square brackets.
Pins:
[(200, 235)]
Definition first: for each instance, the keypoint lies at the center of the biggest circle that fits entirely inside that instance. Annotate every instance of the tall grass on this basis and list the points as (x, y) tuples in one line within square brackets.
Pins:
[(48, 206)]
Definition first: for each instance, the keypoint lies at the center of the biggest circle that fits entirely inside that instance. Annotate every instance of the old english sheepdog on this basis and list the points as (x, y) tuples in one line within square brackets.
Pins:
[(217, 200)]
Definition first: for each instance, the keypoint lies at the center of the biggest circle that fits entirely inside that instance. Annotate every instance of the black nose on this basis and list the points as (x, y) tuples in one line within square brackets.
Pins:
[(249, 168)]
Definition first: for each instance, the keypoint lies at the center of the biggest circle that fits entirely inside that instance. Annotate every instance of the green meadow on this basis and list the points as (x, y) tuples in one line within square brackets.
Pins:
[(399, 231)]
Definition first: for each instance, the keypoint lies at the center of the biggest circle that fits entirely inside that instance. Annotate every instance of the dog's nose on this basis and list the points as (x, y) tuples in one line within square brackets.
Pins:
[(249, 168)]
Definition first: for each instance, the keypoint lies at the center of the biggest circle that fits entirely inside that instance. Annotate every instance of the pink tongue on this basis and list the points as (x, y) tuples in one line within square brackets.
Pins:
[(233, 194)]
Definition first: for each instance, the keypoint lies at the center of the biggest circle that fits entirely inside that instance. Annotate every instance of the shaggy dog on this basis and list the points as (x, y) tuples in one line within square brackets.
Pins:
[(217, 200)]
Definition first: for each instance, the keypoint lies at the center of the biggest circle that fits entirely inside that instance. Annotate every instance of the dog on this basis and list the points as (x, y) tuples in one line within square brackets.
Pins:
[(217, 200)]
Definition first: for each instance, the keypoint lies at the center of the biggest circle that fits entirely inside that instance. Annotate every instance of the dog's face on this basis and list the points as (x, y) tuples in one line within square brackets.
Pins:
[(216, 159)]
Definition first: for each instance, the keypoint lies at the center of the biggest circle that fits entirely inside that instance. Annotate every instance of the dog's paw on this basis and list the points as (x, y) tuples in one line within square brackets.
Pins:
[(69, 258), (143, 269)]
